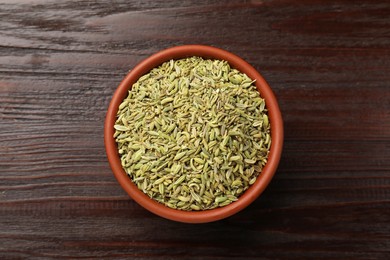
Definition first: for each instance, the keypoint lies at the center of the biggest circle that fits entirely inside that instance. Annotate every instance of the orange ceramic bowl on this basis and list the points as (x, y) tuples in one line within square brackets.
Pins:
[(249, 195)]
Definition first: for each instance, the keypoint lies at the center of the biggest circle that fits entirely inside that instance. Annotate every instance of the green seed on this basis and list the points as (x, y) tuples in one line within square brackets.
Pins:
[(185, 199), (166, 100), (198, 160), (121, 127), (220, 199), (235, 158), (179, 156), (194, 207), (249, 161)]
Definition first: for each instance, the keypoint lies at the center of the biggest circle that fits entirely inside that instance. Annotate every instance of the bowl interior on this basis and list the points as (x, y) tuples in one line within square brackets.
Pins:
[(273, 113)]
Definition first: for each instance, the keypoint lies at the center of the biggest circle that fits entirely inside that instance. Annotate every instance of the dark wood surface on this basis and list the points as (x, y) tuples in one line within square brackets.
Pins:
[(327, 61)]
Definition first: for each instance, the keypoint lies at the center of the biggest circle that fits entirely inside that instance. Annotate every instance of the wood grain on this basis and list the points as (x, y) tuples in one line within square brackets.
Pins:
[(327, 61)]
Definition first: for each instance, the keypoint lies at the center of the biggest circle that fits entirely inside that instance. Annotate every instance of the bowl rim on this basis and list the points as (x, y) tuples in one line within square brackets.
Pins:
[(252, 192)]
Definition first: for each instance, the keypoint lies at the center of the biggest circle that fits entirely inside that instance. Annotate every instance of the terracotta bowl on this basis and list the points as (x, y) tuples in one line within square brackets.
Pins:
[(206, 215)]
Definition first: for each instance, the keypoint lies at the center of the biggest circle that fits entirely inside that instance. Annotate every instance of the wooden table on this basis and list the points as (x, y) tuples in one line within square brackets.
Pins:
[(327, 61)]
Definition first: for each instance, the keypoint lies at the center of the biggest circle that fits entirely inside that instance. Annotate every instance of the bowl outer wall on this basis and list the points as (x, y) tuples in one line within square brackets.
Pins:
[(207, 215)]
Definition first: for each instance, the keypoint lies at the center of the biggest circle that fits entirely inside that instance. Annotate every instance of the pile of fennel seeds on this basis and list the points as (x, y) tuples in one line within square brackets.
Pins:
[(193, 133)]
